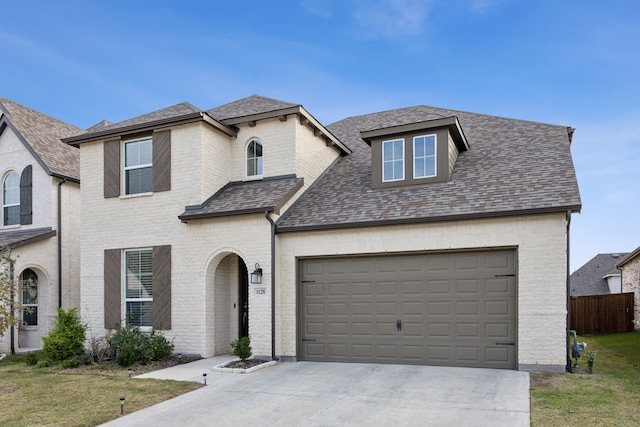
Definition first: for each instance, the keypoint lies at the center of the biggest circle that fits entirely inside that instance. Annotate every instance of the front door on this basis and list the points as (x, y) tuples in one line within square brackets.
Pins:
[(243, 293)]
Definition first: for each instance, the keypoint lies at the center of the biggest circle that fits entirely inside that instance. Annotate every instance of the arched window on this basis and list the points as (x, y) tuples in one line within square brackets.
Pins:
[(29, 281), (11, 199), (254, 158)]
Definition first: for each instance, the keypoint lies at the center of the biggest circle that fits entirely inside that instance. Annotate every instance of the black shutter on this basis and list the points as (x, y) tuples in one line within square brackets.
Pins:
[(162, 161), (162, 287), (111, 168), (112, 288), (26, 196)]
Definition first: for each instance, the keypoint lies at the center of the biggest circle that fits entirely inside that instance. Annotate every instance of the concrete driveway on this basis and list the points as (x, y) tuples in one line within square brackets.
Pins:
[(341, 394)]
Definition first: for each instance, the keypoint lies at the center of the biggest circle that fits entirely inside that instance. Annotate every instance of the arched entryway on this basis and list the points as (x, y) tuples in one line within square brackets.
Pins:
[(227, 302)]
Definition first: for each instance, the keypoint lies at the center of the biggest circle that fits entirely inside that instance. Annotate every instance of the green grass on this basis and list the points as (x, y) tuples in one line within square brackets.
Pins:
[(39, 396), (608, 397)]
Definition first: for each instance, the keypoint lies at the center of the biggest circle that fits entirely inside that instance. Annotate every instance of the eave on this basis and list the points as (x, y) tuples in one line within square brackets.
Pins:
[(450, 123), (150, 126), (305, 118), (432, 219)]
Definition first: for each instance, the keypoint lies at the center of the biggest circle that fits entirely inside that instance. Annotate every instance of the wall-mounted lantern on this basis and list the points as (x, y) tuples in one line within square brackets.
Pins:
[(256, 276)]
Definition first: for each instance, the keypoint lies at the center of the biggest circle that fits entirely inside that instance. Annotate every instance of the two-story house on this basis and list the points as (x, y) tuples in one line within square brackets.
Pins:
[(419, 235), (40, 178)]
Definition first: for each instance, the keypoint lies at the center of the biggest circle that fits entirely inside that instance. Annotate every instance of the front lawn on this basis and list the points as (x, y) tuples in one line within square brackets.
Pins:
[(39, 396), (608, 397)]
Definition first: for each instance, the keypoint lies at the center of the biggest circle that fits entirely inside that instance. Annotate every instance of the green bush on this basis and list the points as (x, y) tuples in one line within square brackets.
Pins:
[(242, 347), (66, 340), (70, 363), (31, 359), (129, 345)]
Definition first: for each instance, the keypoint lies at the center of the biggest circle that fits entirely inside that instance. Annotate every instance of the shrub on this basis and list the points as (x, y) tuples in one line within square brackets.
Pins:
[(129, 345), (70, 363), (31, 359), (66, 340), (242, 347)]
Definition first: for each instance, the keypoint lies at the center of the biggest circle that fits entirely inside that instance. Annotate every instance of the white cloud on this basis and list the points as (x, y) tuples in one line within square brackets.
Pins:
[(392, 19)]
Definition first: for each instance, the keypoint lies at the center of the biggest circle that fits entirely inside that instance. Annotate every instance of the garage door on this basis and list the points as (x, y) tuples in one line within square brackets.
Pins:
[(449, 309)]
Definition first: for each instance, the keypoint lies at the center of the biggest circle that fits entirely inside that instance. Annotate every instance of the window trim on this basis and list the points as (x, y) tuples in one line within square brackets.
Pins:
[(402, 157), (10, 205), (126, 168), (254, 158), (435, 156), (125, 299)]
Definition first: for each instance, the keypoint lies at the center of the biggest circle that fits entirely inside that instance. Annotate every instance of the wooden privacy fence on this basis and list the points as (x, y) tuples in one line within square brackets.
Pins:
[(602, 314)]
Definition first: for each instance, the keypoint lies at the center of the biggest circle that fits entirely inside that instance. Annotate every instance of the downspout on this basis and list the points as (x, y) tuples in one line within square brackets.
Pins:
[(59, 234), (273, 285), (12, 308), (568, 302)]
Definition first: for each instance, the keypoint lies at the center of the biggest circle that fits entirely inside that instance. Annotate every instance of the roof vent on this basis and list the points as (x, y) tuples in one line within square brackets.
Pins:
[(615, 255)]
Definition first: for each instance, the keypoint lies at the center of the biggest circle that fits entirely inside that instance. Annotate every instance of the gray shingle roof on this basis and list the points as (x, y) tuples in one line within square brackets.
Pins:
[(512, 167), (590, 278), (237, 198), (17, 238), (43, 134), (254, 104), (166, 113)]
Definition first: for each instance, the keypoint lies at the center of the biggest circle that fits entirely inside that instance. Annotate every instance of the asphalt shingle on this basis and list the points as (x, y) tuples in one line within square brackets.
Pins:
[(590, 278), (238, 198), (43, 134), (254, 104), (512, 167)]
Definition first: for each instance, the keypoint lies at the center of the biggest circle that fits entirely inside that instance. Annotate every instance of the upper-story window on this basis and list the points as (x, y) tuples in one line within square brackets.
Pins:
[(424, 156), (11, 199), (138, 163), (393, 160), (254, 158)]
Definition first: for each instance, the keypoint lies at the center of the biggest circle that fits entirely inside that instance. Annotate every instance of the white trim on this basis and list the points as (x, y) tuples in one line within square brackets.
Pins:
[(10, 205), (126, 168), (123, 282), (402, 157), (435, 156)]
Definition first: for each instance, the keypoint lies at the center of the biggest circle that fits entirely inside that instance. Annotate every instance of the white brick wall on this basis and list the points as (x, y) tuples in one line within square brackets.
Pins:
[(541, 252), (42, 256)]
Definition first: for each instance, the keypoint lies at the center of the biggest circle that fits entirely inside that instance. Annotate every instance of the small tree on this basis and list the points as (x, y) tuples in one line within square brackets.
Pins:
[(9, 304), (66, 340), (242, 347)]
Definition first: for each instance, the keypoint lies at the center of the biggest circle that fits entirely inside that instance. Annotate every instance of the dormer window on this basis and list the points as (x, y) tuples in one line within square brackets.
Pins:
[(393, 160), (424, 156), (254, 158), (415, 153), (11, 199)]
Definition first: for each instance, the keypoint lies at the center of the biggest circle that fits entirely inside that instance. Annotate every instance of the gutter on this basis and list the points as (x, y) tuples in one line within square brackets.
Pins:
[(59, 233), (273, 285), (12, 307), (568, 301)]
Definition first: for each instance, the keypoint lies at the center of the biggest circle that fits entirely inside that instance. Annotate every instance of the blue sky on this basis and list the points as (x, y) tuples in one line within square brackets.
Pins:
[(573, 63)]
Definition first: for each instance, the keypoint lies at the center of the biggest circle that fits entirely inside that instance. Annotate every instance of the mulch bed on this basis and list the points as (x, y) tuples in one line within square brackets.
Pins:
[(244, 364)]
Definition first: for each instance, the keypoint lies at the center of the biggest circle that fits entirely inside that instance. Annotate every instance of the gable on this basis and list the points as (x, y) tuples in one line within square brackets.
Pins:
[(42, 136)]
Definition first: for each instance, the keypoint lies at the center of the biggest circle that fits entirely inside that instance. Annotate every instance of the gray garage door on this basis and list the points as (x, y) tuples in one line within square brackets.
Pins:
[(450, 309)]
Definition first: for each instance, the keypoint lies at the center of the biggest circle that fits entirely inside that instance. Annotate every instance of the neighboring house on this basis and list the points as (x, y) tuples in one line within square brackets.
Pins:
[(40, 178), (598, 276), (419, 235), (630, 267)]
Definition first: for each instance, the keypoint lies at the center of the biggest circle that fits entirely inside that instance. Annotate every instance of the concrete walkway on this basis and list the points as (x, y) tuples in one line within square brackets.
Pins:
[(340, 394)]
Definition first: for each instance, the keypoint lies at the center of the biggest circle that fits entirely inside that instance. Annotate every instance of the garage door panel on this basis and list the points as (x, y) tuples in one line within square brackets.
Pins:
[(438, 288), (454, 309)]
